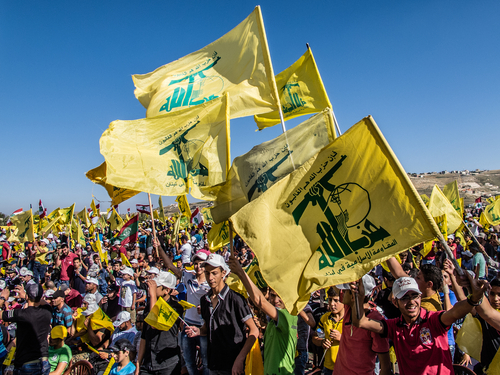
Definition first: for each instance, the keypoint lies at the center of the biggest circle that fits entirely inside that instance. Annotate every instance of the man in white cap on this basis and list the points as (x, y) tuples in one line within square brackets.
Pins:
[(159, 352), (419, 336), (226, 316), (123, 330), (92, 287), (196, 287), (26, 276), (128, 292)]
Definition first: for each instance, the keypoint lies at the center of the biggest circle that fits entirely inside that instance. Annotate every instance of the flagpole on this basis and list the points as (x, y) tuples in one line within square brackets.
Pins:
[(450, 255), (153, 224), (231, 250), (283, 128)]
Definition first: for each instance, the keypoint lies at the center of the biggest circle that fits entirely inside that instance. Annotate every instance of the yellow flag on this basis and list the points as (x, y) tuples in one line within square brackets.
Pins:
[(95, 212), (11, 234), (253, 361), (183, 205), (238, 63), (440, 205), (470, 336), (186, 305), (301, 92), (77, 233), (427, 248), (218, 236), (333, 219), (451, 192), (492, 213), (53, 215), (256, 171), (442, 223), (425, 198), (160, 210), (177, 225), (24, 224), (115, 221), (125, 260), (117, 195), (83, 217), (462, 205), (98, 320), (167, 155), (66, 215), (162, 316), (155, 215), (207, 215), (98, 249), (483, 221)]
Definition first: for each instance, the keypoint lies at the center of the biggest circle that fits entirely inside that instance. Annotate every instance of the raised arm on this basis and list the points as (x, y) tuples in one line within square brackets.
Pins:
[(166, 260), (369, 324)]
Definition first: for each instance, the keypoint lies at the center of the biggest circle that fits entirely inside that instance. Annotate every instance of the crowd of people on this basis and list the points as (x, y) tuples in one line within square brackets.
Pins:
[(61, 303)]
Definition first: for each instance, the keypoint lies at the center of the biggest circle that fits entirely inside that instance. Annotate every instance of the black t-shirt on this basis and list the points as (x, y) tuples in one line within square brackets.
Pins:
[(113, 308), (33, 328), (78, 283), (161, 345), (383, 301)]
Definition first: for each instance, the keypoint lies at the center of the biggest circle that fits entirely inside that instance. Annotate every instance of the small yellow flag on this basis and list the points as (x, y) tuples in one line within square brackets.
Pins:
[(168, 155), (440, 205), (125, 260), (442, 223), (98, 249), (186, 305), (77, 233), (66, 215), (301, 92), (24, 224), (238, 63), (183, 205), (451, 192), (207, 215), (492, 213), (82, 215), (117, 195), (115, 221), (256, 171), (162, 316), (218, 236), (338, 215), (48, 226)]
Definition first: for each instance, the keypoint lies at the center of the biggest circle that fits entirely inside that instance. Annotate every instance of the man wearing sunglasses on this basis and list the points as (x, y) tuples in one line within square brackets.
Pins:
[(420, 336)]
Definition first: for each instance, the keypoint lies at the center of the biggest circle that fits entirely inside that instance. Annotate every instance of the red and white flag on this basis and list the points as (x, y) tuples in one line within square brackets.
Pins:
[(197, 218), (42, 212), (143, 208), (16, 212)]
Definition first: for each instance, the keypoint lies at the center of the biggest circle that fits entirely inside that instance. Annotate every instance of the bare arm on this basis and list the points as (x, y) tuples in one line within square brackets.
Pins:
[(308, 318), (385, 363), (59, 369), (166, 260), (239, 363), (369, 324), (254, 293), (489, 314), (140, 355), (395, 267)]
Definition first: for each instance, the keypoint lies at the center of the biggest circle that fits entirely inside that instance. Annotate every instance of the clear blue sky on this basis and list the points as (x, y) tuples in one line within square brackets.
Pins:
[(428, 71)]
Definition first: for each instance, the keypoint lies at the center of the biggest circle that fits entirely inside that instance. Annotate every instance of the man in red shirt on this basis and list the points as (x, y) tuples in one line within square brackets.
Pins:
[(66, 262), (420, 337)]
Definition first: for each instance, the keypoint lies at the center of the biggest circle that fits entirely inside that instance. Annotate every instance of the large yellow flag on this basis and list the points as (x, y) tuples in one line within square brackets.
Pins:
[(24, 224), (160, 210), (207, 215), (117, 195), (301, 92), (238, 63), (440, 205), (83, 217), (53, 214), (451, 192), (98, 249), (183, 205), (162, 316), (167, 155), (492, 213), (333, 219), (115, 221), (256, 171)]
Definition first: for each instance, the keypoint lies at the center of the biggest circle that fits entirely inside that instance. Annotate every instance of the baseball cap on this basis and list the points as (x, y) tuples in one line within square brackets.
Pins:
[(121, 318), (59, 332), (63, 287), (117, 243), (121, 345), (25, 272), (482, 235), (128, 271), (369, 284), (149, 230), (50, 236), (46, 241), (92, 280), (201, 254), (216, 260), (404, 285), (166, 279), (34, 291), (134, 261), (154, 270), (49, 293), (177, 257), (57, 293), (467, 253)]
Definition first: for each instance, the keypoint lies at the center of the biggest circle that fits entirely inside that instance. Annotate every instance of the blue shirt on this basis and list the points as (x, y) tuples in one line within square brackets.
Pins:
[(63, 317), (127, 370), (453, 300)]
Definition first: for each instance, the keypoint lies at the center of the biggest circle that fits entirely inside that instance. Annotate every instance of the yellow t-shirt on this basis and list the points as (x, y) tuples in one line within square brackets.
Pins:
[(327, 324), (40, 256), (432, 303)]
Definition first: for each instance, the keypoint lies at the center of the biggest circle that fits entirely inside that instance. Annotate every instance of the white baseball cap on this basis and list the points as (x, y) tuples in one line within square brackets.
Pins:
[(369, 284), (404, 285), (25, 272), (154, 270), (128, 271), (134, 261), (121, 318), (92, 280), (166, 279), (216, 260), (46, 241)]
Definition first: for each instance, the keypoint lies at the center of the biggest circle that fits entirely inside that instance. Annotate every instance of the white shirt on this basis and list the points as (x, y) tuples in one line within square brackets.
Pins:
[(127, 289), (194, 292), (186, 250)]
